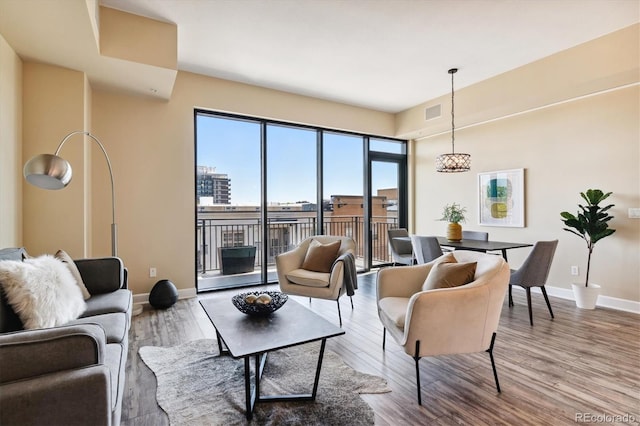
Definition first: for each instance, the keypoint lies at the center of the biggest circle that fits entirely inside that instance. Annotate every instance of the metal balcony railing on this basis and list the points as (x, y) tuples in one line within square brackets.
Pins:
[(284, 234)]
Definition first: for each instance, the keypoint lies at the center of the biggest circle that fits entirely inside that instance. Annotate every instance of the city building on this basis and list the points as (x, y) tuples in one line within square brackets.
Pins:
[(211, 187)]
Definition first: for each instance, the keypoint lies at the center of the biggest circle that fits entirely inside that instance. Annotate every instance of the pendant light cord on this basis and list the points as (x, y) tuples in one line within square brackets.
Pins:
[(452, 71)]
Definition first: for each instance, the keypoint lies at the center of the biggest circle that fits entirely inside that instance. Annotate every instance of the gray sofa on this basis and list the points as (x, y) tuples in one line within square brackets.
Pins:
[(73, 374)]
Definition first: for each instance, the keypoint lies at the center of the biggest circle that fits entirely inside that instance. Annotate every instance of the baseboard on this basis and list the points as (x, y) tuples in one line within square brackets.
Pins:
[(183, 293), (563, 293), (603, 301)]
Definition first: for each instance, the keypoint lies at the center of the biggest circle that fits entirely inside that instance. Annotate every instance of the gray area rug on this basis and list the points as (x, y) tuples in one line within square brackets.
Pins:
[(197, 386)]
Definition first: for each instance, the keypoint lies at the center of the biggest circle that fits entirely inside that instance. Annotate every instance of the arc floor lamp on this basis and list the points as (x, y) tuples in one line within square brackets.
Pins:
[(48, 171)]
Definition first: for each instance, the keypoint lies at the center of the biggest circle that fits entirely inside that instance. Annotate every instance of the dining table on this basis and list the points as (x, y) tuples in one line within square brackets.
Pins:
[(483, 246)]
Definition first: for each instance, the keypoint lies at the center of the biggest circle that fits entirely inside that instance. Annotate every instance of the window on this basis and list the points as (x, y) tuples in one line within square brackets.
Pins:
[(271, 184), (233, 238)]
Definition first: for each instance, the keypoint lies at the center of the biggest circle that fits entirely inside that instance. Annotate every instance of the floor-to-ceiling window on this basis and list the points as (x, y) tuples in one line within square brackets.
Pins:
[(291, 186), (343, 187), (227, 194), (298, 181)]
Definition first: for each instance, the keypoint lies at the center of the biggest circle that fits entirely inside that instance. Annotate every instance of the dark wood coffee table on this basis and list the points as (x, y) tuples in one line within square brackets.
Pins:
[(244, 336)]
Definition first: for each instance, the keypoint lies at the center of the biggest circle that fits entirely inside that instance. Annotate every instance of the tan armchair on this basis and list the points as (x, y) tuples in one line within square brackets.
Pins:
[(443, 321), (321, 285)]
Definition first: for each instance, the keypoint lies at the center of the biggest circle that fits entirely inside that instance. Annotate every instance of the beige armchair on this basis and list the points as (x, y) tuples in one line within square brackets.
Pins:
[(442, 321), (329, 285)]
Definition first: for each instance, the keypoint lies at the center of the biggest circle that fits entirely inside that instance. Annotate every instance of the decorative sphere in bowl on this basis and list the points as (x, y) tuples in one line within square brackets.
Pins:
[(259, 303)]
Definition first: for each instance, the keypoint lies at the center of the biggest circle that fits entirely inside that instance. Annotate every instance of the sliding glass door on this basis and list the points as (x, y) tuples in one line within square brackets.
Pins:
[(388, 189)]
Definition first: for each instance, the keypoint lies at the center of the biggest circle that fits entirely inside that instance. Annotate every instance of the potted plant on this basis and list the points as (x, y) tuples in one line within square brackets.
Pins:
[(591, 223), (454, 214)]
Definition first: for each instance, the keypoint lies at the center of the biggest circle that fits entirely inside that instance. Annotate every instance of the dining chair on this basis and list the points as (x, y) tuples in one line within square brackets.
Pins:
[(534, 272), (425, 249), (400, 246), (475, 235)]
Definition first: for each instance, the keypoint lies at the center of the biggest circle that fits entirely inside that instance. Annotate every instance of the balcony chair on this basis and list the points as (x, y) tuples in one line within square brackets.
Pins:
[(425, 249), (534, 272), (401, 250), (317, 268), (428, 316)]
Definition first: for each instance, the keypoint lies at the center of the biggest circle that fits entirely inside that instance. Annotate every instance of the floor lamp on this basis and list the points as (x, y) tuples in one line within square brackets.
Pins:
[(48, 171)]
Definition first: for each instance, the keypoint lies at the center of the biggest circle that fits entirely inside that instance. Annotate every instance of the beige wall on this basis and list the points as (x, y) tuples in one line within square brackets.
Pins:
[(10, 147), (151, 145), (139, 39), (572, 122), (566, 149), (601, 64), (53, 106)]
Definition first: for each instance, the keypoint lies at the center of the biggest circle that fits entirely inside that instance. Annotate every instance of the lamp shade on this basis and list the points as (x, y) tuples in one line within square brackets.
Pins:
[(452, 163), (48, 171)]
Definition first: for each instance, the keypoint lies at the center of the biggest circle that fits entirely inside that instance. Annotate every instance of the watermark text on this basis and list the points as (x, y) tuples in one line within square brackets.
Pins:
[(604, 418)]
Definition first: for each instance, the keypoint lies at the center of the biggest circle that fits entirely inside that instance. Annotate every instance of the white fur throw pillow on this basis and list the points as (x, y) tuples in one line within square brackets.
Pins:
[(42, 291)]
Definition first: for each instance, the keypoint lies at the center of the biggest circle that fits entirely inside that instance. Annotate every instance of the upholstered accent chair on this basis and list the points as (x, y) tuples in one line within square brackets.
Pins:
[(318, 268), (425, 249), (428, 313), (401, 250), (534, 273)]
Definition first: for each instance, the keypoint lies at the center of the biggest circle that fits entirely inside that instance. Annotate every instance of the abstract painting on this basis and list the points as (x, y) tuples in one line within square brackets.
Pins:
[(501, 198)]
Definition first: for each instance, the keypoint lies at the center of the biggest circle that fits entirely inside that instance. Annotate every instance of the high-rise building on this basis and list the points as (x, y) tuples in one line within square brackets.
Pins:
[(212, 187)]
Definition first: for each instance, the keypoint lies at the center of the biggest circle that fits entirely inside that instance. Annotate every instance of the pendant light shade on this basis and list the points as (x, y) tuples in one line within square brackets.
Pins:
[(453, 162)]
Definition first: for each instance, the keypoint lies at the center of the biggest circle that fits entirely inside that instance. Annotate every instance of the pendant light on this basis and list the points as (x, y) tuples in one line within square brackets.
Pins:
[(452, 163)]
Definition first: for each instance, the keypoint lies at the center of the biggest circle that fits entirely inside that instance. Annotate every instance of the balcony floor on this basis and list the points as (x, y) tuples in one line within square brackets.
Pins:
[(214, 280)]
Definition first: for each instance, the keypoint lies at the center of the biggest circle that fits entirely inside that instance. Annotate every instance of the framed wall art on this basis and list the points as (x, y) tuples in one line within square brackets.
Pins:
[(501, 198)]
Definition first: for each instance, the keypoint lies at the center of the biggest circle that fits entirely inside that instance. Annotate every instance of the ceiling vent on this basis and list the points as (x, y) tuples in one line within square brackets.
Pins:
[(433, 112)]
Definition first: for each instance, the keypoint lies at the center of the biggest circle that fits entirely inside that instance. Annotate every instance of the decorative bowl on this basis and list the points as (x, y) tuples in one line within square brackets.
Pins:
[(259, 309)]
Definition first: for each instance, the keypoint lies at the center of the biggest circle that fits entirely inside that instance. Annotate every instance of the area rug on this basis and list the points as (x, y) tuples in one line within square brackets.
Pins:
[(197, 386)]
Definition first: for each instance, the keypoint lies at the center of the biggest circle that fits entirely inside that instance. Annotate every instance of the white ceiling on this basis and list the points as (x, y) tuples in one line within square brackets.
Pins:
[(388, 55)]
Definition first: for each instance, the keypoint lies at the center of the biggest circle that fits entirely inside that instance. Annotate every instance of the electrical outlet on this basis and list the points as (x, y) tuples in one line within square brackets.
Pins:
[(152, 272), (574, 270)]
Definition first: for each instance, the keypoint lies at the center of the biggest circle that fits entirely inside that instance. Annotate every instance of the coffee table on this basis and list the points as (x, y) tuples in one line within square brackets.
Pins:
[(245, 336)]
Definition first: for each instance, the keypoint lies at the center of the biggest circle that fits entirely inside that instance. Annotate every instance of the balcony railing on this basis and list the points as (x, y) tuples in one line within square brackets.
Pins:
[(285, 234)]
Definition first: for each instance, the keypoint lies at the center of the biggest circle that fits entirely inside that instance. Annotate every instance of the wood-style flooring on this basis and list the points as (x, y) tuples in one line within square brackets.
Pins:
[(581, 367)]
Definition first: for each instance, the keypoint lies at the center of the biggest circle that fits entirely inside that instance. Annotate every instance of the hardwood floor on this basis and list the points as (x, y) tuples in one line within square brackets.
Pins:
[(571, 369)]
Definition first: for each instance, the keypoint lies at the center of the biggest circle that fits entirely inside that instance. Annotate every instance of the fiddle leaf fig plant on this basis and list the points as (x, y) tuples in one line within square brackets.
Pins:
[(453, 213), (591, 223)]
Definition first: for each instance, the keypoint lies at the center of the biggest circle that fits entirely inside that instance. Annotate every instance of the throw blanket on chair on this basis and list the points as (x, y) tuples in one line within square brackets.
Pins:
[(350, 277)]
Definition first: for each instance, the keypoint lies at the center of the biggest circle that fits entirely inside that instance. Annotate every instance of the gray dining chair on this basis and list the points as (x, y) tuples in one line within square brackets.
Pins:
[(475, 235), (534, 272), (401, 249), (425, 249)]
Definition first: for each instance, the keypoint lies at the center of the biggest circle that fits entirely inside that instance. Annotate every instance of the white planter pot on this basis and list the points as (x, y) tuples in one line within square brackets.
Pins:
[(586, 297)]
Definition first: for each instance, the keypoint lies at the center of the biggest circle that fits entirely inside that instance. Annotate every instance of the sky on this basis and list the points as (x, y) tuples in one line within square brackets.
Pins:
[(233, 148)]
